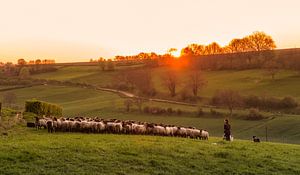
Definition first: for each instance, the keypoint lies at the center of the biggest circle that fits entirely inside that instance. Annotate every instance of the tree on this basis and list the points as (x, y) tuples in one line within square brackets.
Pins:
[(138, 102), (272, 68), (21, 62), (110, 65), (24, 73), (196, 81), (102, 64), (296, 65), (9, 98), (38, 61), (259, 41), (193, 50), (10, 69), (171, 50), (142, 81), (170, 81), (213, 48), (229, 98), (186, 52), (128, 103), (239, 45)]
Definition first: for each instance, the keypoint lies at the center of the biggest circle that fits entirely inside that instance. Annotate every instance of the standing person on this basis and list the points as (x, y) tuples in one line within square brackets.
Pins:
[(227, 130)]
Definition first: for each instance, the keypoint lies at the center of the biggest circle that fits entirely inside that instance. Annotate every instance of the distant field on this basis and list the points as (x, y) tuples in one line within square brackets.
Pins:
[(286, 83), (87, 102), (26, 151)]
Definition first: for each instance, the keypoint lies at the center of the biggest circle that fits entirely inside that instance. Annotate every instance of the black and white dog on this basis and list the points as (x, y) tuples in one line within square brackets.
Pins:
[(255, 139)]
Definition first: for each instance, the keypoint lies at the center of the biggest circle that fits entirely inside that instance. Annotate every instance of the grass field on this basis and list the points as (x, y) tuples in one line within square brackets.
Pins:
[(26, 151), (286, 83), (87, 102)]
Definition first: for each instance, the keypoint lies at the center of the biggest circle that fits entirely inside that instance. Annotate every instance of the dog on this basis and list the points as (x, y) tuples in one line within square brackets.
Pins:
[(255, 139)]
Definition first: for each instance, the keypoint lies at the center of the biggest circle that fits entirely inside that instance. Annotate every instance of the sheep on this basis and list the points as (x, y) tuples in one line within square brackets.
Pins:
[(140, 129), (189, 132), (159, 130), (204, 135), (50, 126), (181, 132), (54, 124), (127, 128), (64, 125), (59, 124), (42, 123), (118, 127), (98, 125), (110, 127), (168, 131), (174, 130)]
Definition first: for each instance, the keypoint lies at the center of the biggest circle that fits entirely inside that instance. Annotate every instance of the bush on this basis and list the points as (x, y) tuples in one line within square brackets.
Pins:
[(154, 110), (146, 109), (270, 102), (254, 114), (288, 102), (42, 108), (169, 110), (252, 101)]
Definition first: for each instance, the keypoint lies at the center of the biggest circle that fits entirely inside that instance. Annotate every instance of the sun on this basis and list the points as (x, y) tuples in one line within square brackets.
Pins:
[(176, 53)]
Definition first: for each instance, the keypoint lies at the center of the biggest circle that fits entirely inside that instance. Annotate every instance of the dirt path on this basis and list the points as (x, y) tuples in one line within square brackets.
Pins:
[(130, 95)]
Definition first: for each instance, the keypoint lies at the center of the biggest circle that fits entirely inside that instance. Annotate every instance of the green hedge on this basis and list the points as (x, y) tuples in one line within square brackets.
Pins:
[(42, 108)]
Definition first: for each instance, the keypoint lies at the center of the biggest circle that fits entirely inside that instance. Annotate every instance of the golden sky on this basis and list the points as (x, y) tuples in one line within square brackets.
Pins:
[(77, 30)]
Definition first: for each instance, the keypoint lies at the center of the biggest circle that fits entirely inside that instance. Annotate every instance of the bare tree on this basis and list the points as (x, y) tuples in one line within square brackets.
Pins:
[(110, 65), (229, 98), (170, 81), (142, 81), (272, 68), (138, 80), (102, 64), (138, 102), (128, 103), (196, 81)]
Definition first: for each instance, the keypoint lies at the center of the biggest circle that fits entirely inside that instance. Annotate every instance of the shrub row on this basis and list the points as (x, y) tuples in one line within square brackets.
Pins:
[(254, 114), (42, 108), (159, 110), (264, 102)]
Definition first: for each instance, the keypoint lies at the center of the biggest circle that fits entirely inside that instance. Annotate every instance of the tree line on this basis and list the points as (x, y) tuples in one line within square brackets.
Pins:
[(257, 41), (254, 51), (24, 69)]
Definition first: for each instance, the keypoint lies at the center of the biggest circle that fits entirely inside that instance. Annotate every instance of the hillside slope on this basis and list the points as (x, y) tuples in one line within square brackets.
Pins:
[(255, 82), (88, 102), (37, 152)]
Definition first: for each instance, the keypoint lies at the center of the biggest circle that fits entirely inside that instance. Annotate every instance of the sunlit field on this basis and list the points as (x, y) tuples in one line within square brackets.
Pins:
[(73, 153), (150, 87), (88, 102), (247, 82)]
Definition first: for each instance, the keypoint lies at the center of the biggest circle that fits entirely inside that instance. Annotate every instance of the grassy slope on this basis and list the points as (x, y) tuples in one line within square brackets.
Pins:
[(37, 152), (78, 101), (246, 81)]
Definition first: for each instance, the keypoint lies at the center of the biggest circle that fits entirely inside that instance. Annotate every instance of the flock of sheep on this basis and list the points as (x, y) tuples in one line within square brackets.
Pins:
[(98, 125)]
